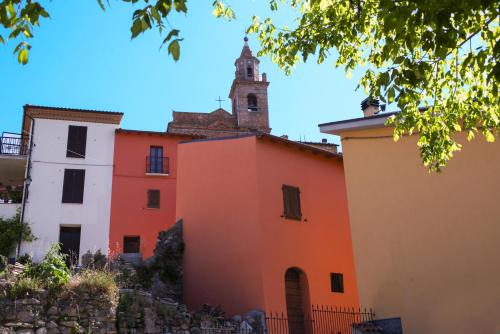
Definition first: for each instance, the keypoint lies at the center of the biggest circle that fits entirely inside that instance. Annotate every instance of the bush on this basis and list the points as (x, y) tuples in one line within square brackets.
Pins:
[(25, 260), (94, 282), (24, 286), (12, 231), (97, 261), (52, 271)]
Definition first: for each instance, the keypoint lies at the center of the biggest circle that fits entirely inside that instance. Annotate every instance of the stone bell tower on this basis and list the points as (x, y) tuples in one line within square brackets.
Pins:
[(249, 93)]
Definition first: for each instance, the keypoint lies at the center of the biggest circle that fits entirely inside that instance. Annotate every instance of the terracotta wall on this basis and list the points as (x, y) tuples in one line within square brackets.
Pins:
[(129, 213), (320, 246), (426, 245), (238, 248)]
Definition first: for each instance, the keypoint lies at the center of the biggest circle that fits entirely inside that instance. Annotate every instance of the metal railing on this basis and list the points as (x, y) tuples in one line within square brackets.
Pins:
[(157, 165), (13, 145), (321, 320)]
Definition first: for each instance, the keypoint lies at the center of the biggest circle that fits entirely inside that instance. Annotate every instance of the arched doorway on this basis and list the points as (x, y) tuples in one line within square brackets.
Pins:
[(297, 300)]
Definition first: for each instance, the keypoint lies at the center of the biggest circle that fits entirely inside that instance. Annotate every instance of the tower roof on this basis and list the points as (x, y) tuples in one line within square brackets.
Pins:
[(246, 52)]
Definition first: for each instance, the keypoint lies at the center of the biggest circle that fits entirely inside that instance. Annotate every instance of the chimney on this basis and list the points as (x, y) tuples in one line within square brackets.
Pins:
[(324, 141), (370, 107), (264, 77), (284, 136)]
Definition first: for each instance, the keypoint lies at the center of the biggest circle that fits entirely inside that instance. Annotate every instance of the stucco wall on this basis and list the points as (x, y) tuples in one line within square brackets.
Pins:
[(129, 213), (319, 246), (426, 245), (44, 209), (217, 199), (8, 210), (238, 248)]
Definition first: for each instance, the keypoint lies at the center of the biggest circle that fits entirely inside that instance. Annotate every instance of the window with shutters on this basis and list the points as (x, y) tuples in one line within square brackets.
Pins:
[(131, 244), (73, 185), (153, 199), (291, 203), (337, 282), (77, 141)]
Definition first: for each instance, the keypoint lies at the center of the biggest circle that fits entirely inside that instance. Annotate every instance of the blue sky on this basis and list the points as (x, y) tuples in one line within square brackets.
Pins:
[(84, 58)]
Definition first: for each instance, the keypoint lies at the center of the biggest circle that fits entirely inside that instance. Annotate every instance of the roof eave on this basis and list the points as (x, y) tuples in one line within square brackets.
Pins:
[(336, 128)]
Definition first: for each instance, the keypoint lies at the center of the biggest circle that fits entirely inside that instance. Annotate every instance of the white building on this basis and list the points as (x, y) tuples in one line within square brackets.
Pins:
[(69, 178)]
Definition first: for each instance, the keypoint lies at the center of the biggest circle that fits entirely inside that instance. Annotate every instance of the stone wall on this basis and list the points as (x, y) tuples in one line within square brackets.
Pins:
[(67, 313), (134, 312)]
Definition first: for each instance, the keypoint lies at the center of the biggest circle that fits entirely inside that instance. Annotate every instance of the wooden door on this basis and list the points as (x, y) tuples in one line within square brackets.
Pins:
[(69, 237), (294, 302)]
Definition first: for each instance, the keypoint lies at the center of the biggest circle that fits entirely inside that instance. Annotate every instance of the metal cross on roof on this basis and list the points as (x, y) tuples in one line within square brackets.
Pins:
[(220, 102)]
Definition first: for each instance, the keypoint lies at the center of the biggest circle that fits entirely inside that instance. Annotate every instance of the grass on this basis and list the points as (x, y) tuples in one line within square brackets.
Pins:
[(94, 282), (24, 286)]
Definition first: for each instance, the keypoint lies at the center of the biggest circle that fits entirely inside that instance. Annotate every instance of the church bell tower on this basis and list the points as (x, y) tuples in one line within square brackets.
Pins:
[(249, 93)]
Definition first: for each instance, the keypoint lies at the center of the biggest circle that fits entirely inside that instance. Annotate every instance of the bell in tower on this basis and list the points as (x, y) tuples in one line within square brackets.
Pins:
[(249, 93)]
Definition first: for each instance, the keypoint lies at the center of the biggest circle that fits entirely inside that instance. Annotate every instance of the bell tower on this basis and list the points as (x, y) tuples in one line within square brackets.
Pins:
[(249, 93)]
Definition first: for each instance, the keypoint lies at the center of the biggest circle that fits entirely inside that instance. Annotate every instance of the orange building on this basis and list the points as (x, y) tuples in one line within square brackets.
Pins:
[(265, 225), (144, 186)]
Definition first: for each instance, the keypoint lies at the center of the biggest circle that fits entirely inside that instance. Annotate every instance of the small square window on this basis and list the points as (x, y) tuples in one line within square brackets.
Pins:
[(131, 244), (153, 199), (337, 282)]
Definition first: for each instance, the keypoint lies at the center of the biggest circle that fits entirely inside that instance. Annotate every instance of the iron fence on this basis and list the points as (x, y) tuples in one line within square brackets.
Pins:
[(13, 145), (321, 320)]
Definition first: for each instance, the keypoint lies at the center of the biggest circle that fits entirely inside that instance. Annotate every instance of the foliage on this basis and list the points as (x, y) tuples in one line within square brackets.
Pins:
[(24, 286), (19, 18), (94, 282), (12, 231), (52, 271), (25, 260), (442, 55), (3, 263), (96, 261)]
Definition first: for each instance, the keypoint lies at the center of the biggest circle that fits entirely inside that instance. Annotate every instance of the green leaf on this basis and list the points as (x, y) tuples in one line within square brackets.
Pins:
[(22, 56), (174, 49)]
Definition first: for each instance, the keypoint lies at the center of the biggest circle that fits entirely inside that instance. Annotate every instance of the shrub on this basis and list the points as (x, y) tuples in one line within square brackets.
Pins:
[(3, 263), (52, 271), (24, 286), (97, 261), (94, 282), (12, 231), (25, 260)]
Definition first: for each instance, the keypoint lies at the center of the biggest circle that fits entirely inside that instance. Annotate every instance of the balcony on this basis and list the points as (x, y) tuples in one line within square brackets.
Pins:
[(13, 156), (157, 165)]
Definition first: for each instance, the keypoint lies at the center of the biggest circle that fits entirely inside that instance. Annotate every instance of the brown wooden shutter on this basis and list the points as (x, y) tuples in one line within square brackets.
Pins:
[(77, 141), (73, 185), (291, 202), (154, 199)]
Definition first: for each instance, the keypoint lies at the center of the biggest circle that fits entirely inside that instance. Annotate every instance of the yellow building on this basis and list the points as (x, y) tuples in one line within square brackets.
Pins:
[(426, 245)]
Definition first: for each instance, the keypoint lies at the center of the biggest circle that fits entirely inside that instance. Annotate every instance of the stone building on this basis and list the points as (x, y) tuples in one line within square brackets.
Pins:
[(249, 114)]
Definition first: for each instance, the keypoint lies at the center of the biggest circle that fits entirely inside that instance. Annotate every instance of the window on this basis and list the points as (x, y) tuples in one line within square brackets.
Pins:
[(77, 141), (156, 160), (291, 202), (249, 72), (337, 282), (153, 199), (131, 244), (252, 102), (74, 181)]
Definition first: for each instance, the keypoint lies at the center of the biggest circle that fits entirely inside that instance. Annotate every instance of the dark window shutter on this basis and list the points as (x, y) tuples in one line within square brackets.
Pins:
[(77, 141), (131, 244), (73, 185), (337, 282), (291, 202), (154, 199)]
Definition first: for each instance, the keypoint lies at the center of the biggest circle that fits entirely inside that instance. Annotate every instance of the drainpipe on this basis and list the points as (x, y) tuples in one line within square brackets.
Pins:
[(27, 182)]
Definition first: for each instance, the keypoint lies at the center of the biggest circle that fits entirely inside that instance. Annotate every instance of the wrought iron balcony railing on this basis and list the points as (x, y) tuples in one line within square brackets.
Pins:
[(13, 145), (157, 165)]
